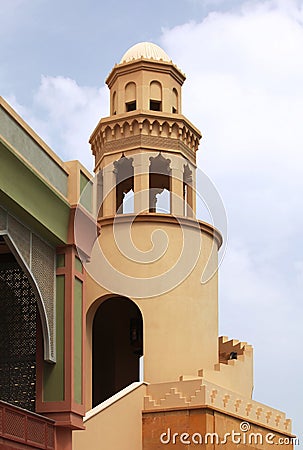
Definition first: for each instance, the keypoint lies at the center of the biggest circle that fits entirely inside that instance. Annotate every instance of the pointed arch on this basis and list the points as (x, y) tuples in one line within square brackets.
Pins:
[(155, 128), (146, 127), (135, 126), (165, 129), (130, 96), (114, 103), (108, 133), (124, 171), (155, 96), (117, 131), (175, 101), (159, 183), (35, 287), (126, 129), (175, 131)]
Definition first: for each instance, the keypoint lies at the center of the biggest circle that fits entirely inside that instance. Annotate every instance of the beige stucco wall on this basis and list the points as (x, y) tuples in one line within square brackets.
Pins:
[(181, 325), (237, 376), (142, 74), (116, 427), (199, 392), (208, 429)]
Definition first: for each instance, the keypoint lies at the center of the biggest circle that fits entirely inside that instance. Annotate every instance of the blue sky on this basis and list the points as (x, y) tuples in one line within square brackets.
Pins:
[(244, 91)]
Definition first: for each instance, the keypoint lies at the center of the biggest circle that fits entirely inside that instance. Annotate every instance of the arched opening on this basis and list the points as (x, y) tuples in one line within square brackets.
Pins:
[(155, 96), (124, 171), (18, 325), (114, 103), (159, 184), (117, 345), (130, 97), (175, 108), (163, 200), (128, 202)]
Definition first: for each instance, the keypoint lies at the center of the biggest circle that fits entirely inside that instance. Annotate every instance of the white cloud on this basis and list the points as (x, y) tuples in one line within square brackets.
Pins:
[(73, 112), (245, 92), (65, 114)]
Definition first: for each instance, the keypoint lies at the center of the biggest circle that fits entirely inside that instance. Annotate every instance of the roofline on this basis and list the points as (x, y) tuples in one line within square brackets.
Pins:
[(145, 64), (32, 134)]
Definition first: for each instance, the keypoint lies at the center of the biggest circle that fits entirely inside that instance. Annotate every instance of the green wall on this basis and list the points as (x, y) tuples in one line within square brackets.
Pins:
[(86, 190), (78, 340), (53, 374), (21, 185), (33, 153)]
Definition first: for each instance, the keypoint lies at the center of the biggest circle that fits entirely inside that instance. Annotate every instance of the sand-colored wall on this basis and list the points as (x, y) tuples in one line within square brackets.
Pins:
[(142, 74), (185, 428), (233, 374), (181, 325), (116, 427), (199, 392), (236, 376)]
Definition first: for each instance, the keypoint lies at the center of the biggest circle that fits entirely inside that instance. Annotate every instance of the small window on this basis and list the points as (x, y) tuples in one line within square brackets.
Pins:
[(155, 105), (130, 97), (114, 103), (131, 106), (175, 101)]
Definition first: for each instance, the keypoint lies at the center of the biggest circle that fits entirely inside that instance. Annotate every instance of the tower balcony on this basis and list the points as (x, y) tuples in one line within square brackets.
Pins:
[(145, 130)]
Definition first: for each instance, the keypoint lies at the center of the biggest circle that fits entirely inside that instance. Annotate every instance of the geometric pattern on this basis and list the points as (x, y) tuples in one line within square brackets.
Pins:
[(18, 316), (38, 258)]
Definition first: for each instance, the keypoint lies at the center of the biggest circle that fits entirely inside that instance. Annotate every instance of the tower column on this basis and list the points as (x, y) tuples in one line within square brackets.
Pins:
[(109, 190), (192, 194), (177, 170), (141, 182)]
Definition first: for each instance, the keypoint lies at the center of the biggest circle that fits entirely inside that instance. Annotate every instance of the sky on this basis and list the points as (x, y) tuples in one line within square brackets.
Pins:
[(244, 91)]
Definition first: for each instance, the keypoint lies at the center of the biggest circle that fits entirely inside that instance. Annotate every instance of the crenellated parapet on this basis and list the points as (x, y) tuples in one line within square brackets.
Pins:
[(232, 349), (198, 393), (151, 131), (234, 371)]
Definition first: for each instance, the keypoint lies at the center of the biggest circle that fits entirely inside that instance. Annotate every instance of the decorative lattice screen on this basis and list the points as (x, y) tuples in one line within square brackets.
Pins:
[(18, 314)]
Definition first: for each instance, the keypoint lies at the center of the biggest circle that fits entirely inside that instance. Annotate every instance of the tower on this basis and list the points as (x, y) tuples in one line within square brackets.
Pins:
[(155, 367), (147, 147)]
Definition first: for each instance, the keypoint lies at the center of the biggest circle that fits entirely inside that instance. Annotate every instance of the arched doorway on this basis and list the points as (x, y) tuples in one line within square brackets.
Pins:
[(117, 347), (18, 325)]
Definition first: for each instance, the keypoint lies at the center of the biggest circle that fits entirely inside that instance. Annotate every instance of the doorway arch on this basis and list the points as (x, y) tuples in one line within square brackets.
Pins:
[(117, 345)]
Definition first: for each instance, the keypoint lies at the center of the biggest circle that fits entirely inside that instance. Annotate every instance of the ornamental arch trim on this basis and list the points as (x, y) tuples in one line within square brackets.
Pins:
[(37, 260)]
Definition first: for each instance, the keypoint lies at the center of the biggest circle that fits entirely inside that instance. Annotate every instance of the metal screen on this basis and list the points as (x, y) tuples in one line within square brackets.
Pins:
[(18, 314)]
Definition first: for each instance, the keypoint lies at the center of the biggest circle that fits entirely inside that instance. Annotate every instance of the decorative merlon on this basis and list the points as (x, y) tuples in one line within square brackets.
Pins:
[(145, 130), (198, 392), (232, 349)]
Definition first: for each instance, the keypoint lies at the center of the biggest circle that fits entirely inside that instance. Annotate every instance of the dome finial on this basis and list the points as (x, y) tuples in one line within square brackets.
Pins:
[(147, 50)]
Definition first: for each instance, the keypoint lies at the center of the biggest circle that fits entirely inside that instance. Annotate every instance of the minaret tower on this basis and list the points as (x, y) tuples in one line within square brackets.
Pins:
[(156, 371), (145, 117), (156, 259)]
